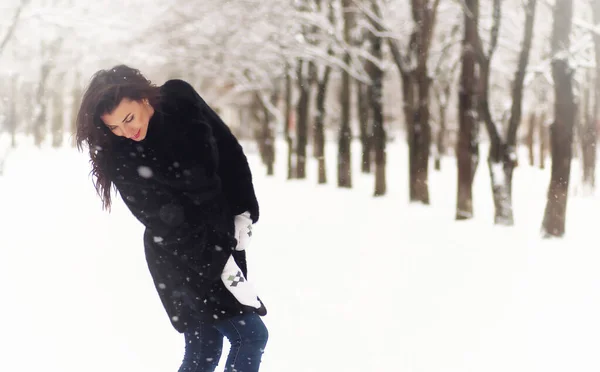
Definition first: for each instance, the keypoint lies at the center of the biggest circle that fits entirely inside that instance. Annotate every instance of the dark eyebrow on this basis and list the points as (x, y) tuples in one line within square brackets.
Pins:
[(126, 117)]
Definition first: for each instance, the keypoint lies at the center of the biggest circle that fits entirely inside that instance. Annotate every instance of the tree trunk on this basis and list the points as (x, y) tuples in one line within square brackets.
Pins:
[(408, 104), (592, 129), (13, 25), (423, 14), (503, 154), (75, 103), (562, 127), (12, 111), (544, 138), (411, 117), (267, 141), (345, 136), (529, 140), (58, 126), (441, 133), (320, 126), (422, 139), (376, 99), (467, 151), (500, 168), (49, 51), (587, 139), (501, 157), (288, 124), (303, 109), (366, 137), (257, 115), (40, 113)]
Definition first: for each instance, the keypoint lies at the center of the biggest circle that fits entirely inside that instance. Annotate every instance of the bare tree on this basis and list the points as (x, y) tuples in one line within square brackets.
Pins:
[(586, 130), (532, 124), (502, 157), (12, 111), (589, 133), (50, 50), (376, 99), (319, 127), (13, 25), (58, 110), (288, 123), (305, 78), (363, 92), (544, 138), (415, 88), (467, 151), (76, 97), (345, 135), (562, 127), (264, 134), (444, 73)]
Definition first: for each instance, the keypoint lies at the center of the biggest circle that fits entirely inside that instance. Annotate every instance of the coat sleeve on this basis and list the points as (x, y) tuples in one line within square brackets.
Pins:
[(232, 166), (234, 170)]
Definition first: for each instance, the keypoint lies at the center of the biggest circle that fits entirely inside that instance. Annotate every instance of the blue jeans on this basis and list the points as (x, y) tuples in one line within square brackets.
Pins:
[(204, 343)]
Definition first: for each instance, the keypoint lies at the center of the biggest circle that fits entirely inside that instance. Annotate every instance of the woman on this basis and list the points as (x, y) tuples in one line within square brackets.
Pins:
[(184, 176)]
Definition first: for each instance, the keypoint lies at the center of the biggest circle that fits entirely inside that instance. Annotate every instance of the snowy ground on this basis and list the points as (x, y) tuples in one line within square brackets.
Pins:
[(352, 283)]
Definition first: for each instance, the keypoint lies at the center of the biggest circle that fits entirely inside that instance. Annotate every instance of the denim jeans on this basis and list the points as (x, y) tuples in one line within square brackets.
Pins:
[(204, 343)]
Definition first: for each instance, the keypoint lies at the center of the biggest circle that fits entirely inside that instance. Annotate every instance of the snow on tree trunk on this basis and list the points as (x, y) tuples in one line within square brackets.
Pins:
[(501, 175), (562, 128)]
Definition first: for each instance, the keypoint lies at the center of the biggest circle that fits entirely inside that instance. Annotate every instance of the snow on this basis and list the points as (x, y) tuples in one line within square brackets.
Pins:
[(351, 282), (497, 170), (145, 172)]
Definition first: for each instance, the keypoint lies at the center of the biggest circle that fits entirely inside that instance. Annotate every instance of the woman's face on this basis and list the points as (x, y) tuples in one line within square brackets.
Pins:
[(129, 119)]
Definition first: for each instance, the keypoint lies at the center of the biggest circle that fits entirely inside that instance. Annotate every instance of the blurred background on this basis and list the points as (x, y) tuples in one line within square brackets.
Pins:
[(434, 145)]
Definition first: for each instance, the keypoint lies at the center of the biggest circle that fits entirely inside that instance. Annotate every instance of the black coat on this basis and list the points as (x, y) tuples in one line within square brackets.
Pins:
[(185, 182)]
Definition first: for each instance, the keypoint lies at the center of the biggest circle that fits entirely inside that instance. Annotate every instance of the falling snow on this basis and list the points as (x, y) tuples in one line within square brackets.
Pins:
[(447, 296), (145, 172)]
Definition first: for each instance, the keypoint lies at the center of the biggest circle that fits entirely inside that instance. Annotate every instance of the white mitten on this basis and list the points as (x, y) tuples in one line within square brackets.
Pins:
[(243, 230), (236, 283)]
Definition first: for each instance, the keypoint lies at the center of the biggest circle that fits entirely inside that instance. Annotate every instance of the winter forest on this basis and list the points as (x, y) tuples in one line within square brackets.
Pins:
[(444, 76), (417, 122)]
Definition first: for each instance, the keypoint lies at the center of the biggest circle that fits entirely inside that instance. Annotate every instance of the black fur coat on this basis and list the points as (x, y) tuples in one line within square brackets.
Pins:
[(185, 182)]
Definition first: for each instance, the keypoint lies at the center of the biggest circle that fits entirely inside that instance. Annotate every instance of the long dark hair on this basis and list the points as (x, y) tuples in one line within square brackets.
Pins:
[(104, 93)]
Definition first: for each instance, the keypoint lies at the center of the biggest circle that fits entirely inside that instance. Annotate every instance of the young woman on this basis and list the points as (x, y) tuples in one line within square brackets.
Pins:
[(184, 176)]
